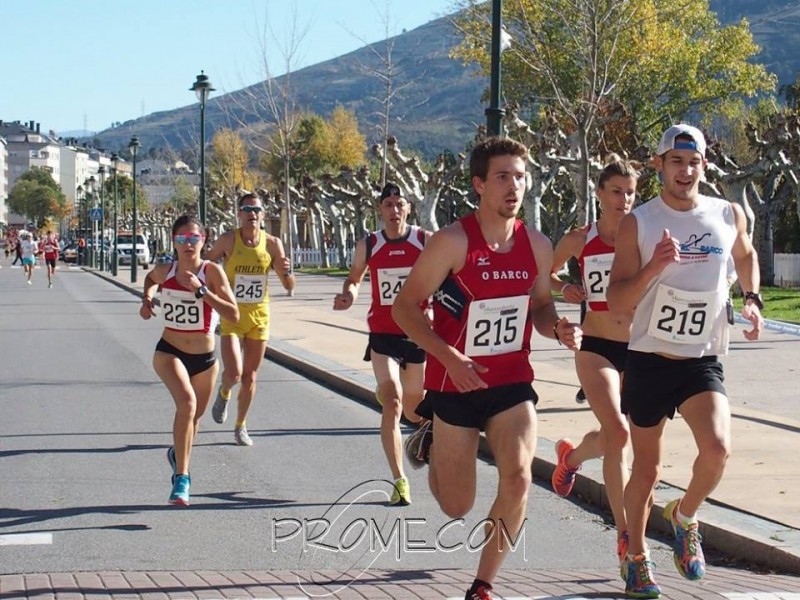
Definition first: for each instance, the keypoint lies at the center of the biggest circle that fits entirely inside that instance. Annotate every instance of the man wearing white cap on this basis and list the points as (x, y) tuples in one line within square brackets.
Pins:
[(671, 266)]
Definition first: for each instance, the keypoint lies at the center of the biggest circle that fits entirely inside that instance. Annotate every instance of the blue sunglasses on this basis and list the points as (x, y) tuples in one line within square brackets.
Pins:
[(192, 238)]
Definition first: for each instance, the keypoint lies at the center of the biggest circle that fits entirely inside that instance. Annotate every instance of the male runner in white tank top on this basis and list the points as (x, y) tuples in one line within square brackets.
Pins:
[(671, 266)]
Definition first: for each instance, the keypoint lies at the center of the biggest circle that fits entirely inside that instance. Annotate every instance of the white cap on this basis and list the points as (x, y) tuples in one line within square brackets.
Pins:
[(669, 142)]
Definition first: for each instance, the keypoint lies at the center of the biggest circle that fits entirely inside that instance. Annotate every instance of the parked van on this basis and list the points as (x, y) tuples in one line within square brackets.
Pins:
[(125, 248)]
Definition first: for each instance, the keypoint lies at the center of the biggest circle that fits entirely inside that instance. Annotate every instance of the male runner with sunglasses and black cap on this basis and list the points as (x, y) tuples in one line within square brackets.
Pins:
[(247, 253)]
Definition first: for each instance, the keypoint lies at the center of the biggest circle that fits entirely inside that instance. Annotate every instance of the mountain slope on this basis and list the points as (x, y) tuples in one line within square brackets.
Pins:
[(441, 99)]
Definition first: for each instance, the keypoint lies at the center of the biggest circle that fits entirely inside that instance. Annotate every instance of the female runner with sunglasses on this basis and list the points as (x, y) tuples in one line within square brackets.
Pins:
[(194, 293), (248, 253)]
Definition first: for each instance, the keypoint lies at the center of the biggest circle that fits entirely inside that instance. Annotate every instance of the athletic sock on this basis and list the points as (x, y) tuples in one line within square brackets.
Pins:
[(225, 395), (240, 424), (682, 518)]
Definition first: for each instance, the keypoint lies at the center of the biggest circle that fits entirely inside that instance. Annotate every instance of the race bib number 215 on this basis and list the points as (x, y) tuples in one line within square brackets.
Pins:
[(496, 326)]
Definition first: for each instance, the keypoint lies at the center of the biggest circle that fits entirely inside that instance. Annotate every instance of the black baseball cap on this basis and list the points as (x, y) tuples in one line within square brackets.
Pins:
[(391, 189)]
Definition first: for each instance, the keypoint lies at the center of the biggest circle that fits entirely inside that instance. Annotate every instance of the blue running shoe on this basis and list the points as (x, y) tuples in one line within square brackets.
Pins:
[(180, 490), (639, 582), (687, 551)]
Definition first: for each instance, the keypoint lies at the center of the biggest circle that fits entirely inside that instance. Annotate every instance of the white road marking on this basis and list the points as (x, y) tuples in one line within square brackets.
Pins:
[(23, 539), (762, 596)]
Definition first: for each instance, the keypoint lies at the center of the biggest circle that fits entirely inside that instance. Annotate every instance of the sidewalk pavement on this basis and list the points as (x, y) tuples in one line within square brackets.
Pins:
[(754, 513)]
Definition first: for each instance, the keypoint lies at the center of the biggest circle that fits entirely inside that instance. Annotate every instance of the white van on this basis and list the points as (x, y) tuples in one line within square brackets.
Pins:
[(125, 248)]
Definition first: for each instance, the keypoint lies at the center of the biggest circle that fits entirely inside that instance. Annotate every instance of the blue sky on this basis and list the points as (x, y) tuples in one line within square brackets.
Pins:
[(66, 63)]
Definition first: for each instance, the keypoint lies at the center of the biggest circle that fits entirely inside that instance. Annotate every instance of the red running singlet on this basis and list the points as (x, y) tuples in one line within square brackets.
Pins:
[(484, 310)]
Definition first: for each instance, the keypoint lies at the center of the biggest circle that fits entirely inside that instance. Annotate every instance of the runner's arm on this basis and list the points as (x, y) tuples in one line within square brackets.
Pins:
[(543, 309), (221, 249), (280, 262), (568, 246), (353, 280), (220, 295), (154, 278), (745, 259), (629, 279), (444, 254)]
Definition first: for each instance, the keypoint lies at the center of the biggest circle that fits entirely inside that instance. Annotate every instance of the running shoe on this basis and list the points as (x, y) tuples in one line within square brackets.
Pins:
[(639, 582), (49, 285), (219, 412), (401, 496), (563, 475), (482, 593), (241, 436), (687, 551), (622, 552), (418, 445), (180, 490), (580, 397)]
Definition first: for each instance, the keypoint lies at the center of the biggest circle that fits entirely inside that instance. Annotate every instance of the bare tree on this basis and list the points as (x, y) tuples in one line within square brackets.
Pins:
[(268, 112)]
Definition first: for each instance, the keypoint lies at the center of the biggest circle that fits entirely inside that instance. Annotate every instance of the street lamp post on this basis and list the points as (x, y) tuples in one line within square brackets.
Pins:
[(133, 146), (494, 114), (102, 171), (202, 87), (91, 223), (78, 217), (115, 260)]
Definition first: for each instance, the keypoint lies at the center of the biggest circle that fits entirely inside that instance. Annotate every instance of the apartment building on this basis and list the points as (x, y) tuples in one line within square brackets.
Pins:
[(3, 184)]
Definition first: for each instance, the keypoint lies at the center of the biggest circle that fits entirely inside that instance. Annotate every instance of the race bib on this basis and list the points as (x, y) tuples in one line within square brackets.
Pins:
[(250, 289), (496, 326), (683, 317), (389, 283), (596, 269), (181, 310)]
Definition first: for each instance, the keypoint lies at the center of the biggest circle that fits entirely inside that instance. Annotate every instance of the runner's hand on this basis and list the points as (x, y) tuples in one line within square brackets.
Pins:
[(465, 375), (146, 310), (752, 313), (343, 301)]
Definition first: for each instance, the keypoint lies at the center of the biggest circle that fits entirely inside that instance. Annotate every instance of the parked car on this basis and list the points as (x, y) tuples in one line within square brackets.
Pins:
[(125, 248), (69, 253)]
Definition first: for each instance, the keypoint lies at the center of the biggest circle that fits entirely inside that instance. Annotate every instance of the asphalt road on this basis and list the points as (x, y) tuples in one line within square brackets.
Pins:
[(85, 428)]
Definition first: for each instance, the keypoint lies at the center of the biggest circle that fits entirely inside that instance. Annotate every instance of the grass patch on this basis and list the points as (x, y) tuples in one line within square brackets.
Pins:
[(780, 304)]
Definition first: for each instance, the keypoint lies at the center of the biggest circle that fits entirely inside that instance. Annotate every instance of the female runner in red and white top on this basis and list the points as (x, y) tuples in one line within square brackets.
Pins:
[(601, 360), (193, 294)]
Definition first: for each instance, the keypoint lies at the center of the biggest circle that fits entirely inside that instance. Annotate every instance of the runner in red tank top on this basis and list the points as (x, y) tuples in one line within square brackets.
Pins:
[(397, 362), (489, 275), (49, 246), (192, 292), (604, 346)]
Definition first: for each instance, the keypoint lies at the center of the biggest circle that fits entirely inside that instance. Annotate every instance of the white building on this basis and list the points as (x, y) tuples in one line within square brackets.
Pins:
[(3, 183)]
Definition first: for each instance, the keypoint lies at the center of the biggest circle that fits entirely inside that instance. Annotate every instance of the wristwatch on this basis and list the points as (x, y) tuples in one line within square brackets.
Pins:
[(756, 298), (201, 291)]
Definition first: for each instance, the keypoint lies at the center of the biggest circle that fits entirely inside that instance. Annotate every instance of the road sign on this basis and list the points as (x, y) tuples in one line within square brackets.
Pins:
[(96, 214)]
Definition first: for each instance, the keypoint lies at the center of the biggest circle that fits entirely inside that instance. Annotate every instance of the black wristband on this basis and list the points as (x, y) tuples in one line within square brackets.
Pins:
[(555, 334)]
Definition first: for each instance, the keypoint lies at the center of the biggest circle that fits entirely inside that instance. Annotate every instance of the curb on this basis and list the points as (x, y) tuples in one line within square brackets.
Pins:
[(744, 536)]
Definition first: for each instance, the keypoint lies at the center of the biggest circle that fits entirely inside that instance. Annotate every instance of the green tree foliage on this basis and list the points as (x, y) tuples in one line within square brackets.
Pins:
[(183, 195), (37, 196), (614, 73), (124, 195), (321, 146), (658, 59)]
